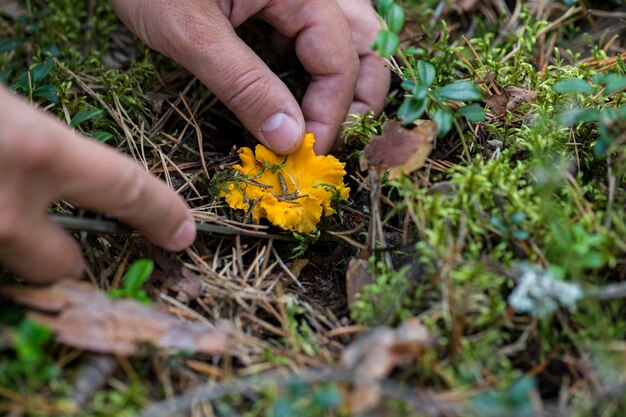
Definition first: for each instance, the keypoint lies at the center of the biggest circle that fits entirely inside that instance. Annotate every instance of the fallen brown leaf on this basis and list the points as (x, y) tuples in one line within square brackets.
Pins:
[(399, 149), (297, 266), (188, 286), (88, 319), (373, 357), (509, 99), (357, 277)]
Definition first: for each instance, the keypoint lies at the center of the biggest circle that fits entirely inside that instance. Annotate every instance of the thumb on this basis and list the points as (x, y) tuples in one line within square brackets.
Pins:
[(241, 80)]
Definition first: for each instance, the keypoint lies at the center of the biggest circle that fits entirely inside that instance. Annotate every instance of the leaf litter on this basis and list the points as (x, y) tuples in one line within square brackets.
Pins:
[(299, 328), (85, 318)]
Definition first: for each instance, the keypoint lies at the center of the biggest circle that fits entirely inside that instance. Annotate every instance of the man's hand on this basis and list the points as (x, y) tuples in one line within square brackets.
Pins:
[(332, 40), (42, 160)]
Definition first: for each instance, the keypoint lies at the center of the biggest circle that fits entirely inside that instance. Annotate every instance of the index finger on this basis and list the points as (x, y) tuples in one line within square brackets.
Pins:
[(325, 48), (96, 177), (109, 182)]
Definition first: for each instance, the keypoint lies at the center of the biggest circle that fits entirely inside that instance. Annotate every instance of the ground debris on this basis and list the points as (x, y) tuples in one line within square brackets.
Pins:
[(357, 277), (399, 149), (509, 99), (86, 318), (373, 357), (187, 286), (12, 8)]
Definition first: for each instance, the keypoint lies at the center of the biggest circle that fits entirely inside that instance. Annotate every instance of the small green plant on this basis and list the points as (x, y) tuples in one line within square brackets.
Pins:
[(87, 114), (304, 242), (138, 272), (423, 93), (32, 82), (31, 364), (384, 300), (611, 120), (513, 401), (359, 128), (511, 227), (305, 400)]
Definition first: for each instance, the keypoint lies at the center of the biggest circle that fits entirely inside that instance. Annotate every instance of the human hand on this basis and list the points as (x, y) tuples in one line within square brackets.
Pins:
[(42, 160), (332, 39)]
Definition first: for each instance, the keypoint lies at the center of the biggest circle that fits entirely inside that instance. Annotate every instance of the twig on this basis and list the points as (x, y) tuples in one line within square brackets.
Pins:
[(287, 271)]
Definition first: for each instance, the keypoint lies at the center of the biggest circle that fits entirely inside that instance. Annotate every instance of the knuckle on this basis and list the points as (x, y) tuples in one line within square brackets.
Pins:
[(249, 92), (132, 192), (354, 65)]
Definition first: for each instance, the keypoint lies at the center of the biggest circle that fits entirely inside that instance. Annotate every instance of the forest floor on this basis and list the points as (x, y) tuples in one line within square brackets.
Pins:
[(489, 281)]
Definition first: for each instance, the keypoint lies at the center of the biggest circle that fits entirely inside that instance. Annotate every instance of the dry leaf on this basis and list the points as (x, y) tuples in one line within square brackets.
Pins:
[(467, 5), (509, 99), (373, 357), (188, 286), (357, 277), (88, 319), (399, 149), (297, 266)]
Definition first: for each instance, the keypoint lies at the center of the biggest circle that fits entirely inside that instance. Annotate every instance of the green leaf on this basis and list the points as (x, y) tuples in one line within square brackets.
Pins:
[(572, 85), (395, 18), (574, 116), (386, 43), (102, 136), (9, 44), (40, 71), (137, 274), (21, 84), (84, 115), (4, 75), (48, 91), (426, 73), (520, 235), (499, 224), (51, 50), (420, 92), (602, 147), (412, 50), (518, 217), (444, 120), (37, 74), (411, 110), (33, 27), (473, 112), (461, 91), (408, 85), (612, 82), (383, 5)]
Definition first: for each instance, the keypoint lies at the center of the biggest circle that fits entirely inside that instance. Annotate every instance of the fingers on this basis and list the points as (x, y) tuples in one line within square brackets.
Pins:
[(101, 179), (40, 251), (203, 40), (42, 160), (374, 78), (324, 47)]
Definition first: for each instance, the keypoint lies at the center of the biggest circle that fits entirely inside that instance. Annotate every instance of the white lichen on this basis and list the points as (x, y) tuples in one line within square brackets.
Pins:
[(539, 292)]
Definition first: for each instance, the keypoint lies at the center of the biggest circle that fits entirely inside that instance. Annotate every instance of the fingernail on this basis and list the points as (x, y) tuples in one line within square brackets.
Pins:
[(281, 132), (184, 236)]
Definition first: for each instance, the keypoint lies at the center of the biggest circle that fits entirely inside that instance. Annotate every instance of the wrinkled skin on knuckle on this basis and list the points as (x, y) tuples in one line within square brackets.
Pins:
[(249, 93), (354, 65)]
